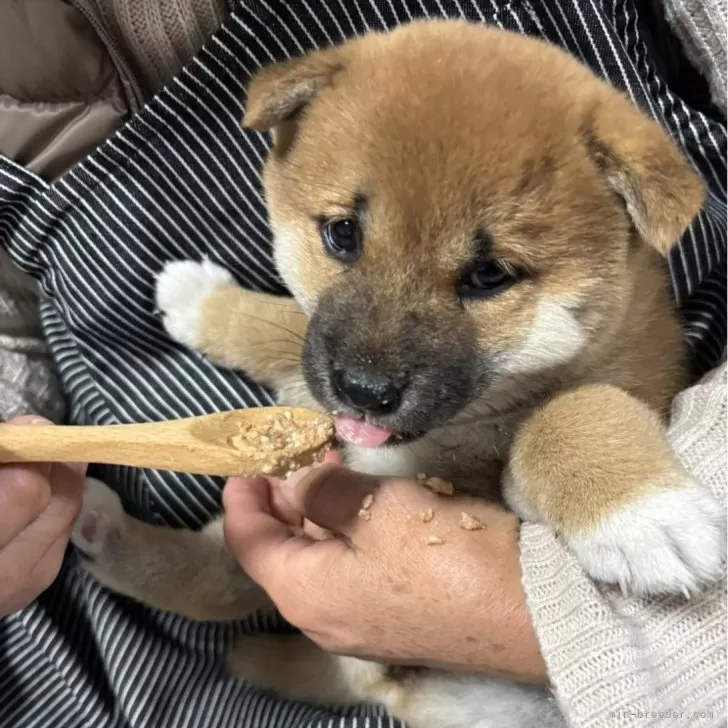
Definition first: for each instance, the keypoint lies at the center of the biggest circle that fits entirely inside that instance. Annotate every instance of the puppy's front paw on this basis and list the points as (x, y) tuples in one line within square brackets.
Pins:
[(671, 541), (98, 532), (181, 291)]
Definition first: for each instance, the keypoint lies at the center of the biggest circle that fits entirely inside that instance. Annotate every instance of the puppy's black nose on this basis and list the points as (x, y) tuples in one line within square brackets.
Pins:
[(366, 391)]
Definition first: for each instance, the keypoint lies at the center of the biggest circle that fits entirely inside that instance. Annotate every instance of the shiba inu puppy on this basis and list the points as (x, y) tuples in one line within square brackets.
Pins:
[(474, 231)]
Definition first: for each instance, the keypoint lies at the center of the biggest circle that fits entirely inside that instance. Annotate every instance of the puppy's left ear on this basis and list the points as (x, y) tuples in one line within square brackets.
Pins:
[(662, 192), (278, 92)]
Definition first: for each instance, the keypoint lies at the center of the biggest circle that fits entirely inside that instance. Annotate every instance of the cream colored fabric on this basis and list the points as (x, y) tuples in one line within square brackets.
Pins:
[(701, 27), (652, 658), (28, 383)]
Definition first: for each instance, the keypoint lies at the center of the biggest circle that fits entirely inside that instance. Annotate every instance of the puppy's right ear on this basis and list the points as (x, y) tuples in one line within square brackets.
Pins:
[(278, 92)]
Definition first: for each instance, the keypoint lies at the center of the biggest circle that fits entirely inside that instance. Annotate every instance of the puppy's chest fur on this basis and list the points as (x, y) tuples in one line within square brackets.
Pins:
[(471, 455)]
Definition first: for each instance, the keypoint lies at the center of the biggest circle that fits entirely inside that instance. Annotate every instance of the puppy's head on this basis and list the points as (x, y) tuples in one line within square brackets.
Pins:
[(457, 208)]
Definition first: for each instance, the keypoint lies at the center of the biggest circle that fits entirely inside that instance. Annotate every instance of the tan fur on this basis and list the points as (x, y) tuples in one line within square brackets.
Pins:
[(448, 128), (268, 347), (540, 194), (564, 457), (143, 574)]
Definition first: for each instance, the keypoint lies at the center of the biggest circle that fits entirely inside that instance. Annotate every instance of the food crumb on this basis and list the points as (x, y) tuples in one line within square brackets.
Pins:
[(439, 486), (367, 502), (434, 540), (283, 443), (365, 515), (282, 432), (427, 515), (421, 476), (470, 523)]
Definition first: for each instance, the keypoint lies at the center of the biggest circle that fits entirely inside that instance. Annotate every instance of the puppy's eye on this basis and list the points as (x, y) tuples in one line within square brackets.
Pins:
[(486, 279), (342, 239)]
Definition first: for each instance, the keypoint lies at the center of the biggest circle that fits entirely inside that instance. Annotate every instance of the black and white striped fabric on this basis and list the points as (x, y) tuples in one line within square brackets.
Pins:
[(182, 181)]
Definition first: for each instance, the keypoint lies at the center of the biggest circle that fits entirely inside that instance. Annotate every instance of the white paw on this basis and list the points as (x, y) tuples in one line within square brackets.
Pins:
[(101, 514), (670, 542), (98, 530), (181, 290)]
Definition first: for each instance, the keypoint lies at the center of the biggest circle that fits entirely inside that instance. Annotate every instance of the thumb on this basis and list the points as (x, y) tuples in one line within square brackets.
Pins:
[(266, 546), (255, 536), (330, 496)]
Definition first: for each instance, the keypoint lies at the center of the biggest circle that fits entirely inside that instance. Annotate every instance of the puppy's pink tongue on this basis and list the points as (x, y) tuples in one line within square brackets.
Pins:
[(358, 432)]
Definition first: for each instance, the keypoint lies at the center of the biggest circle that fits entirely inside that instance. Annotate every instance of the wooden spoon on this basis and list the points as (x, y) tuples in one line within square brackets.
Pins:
[(261, 440)]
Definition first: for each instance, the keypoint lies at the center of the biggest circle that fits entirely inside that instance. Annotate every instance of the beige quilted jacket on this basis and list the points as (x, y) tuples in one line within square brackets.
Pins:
[(71, 73)]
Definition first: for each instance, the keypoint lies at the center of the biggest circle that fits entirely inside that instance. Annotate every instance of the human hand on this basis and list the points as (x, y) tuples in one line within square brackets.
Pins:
[(38, 504), (379, 591)]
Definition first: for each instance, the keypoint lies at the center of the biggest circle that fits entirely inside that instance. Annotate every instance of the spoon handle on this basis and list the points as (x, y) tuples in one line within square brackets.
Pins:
[(270, 440)]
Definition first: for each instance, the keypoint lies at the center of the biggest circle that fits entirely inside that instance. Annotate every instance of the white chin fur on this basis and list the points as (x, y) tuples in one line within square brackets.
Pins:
[(555, 337), (393, 461)]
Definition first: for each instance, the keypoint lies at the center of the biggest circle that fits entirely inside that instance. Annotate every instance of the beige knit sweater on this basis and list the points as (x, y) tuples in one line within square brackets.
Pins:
[(701, 27), (28, 383), (619, 661)]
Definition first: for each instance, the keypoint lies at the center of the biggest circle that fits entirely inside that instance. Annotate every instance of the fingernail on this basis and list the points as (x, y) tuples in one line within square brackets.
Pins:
[(26, 420)]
